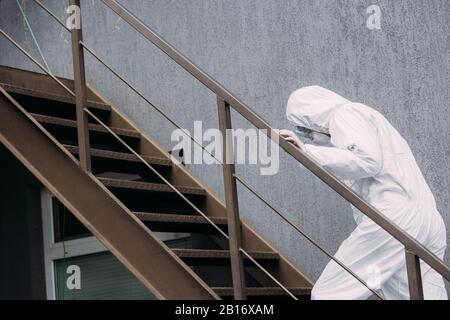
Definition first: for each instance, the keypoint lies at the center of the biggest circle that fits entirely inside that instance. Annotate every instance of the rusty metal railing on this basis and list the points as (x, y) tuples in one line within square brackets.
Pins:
[(226, 100)]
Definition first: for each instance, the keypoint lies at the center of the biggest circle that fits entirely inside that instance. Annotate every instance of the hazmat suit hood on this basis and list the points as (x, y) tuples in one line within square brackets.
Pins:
[(311, 107)]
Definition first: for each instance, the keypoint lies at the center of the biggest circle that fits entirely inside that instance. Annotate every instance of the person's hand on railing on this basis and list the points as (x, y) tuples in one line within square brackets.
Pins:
[(291, 137)]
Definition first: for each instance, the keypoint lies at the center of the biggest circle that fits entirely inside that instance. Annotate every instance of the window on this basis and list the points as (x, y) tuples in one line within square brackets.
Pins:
[(103, 277), (68, 243)]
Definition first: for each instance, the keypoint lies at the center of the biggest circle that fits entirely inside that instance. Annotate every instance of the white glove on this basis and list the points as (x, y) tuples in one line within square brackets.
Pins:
[(291, 137)]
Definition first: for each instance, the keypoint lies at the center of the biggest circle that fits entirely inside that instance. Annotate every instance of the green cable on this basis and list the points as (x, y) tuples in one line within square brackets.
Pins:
[(27, 23), (28, 26)]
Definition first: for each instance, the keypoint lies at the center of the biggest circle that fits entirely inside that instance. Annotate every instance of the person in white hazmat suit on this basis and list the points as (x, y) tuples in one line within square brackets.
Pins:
[(359, 146)]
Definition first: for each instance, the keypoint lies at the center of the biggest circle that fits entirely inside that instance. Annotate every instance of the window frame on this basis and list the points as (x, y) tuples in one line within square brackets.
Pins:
[(74, 248)]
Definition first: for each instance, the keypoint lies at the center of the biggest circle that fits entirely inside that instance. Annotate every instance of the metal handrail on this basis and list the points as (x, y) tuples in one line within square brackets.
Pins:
[(348, 194), (40, 4)]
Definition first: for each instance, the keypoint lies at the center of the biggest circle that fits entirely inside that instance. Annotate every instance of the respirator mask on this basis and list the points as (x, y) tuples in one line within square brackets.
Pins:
[(316, 138)]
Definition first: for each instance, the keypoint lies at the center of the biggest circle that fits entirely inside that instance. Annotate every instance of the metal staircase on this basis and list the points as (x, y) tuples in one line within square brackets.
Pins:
[(82, 149), (48, 139)]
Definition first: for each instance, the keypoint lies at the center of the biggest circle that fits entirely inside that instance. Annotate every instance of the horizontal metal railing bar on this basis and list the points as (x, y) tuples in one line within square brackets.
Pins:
[(40, 4), (409, 242), (18, 46), (314, 242), (140, 94), (167, 182)]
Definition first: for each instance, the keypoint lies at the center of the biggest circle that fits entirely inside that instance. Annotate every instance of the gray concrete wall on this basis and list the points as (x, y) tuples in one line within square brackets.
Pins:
[(263, 50)]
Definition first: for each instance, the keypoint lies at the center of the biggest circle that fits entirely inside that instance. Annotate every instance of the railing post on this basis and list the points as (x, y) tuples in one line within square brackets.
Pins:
[(414, 275), (231, 200), (80, 88)]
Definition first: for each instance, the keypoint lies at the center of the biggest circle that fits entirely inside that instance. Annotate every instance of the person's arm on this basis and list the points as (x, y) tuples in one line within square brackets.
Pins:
[(357, 153), (344, 164)]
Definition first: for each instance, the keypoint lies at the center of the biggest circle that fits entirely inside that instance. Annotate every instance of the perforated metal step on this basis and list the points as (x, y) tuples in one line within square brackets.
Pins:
[(92, 127), (263, 291), (120, 156), (137, 185)]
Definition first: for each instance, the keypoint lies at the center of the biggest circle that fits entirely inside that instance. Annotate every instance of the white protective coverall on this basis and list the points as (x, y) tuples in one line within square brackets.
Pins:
[(368, 154)]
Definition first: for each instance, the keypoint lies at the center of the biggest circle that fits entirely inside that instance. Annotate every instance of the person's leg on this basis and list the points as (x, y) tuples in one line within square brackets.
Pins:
[(397, 287), (434, 286), (371, 253), (433, 283)]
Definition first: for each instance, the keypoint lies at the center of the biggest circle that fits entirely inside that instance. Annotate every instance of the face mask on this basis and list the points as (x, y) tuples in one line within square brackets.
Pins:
[(302, 132), (319, 138)]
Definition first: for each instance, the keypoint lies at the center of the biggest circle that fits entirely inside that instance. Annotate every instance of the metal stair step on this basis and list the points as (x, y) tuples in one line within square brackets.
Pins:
[(92, 127), (264, 291), (149, 186), (170, 222), (178, 218), (220, 257), (114, 155), (52, 96)]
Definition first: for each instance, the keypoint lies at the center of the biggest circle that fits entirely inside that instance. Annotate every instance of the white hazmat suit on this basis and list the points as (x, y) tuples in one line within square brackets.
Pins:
[(368, 154)]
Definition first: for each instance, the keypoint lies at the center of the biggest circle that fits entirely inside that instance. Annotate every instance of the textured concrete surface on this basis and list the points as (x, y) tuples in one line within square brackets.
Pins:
[(262, 50)]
